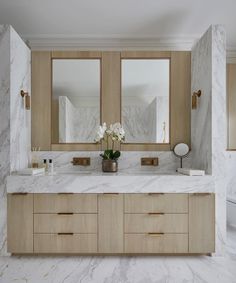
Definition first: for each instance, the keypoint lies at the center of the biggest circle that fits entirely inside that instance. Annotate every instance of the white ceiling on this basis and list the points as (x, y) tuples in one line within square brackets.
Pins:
[(163, 20)]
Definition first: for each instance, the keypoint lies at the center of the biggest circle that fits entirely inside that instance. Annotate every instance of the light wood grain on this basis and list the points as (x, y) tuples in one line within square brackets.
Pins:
[(166, 223), (111, 103), (231, 105), (75, 203), (20, 223), (167, 243), (55, 121), (41, 100), (166, 203), (110, 223), (75, 223), (76, 54), (180, 104), (145, 54), (77, 243), (201, 223), (75, 147)]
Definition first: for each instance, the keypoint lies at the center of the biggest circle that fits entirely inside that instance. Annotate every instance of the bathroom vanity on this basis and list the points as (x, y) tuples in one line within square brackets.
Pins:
[(111, 214)]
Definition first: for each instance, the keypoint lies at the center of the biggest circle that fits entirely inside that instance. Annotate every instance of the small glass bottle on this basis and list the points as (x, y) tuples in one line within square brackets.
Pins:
[(50, 167), (45, 165)]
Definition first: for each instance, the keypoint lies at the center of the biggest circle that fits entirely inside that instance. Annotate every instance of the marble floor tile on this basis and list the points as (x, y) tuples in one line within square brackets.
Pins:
[(154, 269)]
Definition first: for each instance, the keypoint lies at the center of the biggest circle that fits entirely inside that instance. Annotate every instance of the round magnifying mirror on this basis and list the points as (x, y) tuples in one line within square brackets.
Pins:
[(181, 150)]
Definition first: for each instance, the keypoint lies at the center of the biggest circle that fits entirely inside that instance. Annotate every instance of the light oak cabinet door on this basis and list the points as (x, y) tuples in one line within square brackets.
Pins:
[(110, 223), (201, 223), (20, 223)]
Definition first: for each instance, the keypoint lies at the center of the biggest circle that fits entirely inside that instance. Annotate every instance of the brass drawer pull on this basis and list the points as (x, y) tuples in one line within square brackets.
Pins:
[(65, 193), (155, 194), (70, 234), (156, 213), (156, 234), (111, 194), (65, 213), (19, 194)]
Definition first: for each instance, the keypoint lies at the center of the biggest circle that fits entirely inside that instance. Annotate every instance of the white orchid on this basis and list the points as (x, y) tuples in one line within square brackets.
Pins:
[(114, 133), (100, 132)]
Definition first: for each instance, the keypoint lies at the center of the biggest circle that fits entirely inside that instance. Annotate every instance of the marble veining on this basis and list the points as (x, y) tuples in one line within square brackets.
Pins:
[(100, 183), (112, 269), (15, 122), (208, 129)]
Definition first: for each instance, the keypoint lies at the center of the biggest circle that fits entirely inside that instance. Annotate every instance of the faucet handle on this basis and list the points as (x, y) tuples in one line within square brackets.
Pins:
[(82, 161)]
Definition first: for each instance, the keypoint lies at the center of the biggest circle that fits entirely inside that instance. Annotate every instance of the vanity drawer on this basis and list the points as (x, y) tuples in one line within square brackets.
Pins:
[(145, 243), (166, 223), (54, 243), (74, 223), (156, 202), (73, 203)]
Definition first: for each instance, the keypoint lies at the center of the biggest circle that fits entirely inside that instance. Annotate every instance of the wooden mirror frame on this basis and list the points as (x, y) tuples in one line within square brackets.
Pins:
[(110, 99)]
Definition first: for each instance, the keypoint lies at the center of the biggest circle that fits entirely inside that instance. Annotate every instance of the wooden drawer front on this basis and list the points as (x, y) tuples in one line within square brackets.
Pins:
[(75, 223), (54, 243), (54, 203), (167, 243), (166, 203), (166, 223)]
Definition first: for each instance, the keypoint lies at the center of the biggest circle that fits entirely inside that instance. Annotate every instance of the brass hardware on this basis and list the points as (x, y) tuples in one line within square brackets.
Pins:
[(155, 234), (195, 96), (65, 213), (156, 213), (111, 194), (65, 193), (149, 161), (65, 234), (155, 194), (20, 194), (27, 99), (82, 161)]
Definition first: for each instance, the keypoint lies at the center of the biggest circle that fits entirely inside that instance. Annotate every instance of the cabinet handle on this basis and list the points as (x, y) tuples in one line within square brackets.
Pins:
[(156, 234), (65, 213), (155, 194), (65, 193), (111, 194), (201, 194), (19, 194), (70, 234), (156, 213)]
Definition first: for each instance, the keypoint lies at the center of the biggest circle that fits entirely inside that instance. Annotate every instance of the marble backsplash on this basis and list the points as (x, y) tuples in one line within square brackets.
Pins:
[(129, 161)]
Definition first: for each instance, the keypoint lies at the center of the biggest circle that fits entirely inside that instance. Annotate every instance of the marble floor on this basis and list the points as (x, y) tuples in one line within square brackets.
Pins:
[(122, 270)]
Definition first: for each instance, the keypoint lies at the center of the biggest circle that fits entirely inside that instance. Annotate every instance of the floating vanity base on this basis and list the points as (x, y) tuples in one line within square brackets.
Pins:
[(111, 223)]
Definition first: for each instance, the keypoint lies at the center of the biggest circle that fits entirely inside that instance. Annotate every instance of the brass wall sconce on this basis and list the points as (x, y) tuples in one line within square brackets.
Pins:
[(195, 97), (27, 99)]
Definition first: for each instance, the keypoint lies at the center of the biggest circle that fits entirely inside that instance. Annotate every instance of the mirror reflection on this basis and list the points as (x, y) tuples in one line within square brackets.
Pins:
[(145, 100), (75, 100)]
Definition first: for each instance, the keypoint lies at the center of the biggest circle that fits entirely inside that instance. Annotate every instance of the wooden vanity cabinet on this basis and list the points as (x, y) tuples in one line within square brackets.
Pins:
[(142, 223), (110, 223), (20, 223), (201, 223)]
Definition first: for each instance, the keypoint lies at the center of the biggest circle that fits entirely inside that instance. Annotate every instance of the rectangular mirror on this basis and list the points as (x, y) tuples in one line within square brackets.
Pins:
[(75, 100), (145, 100)]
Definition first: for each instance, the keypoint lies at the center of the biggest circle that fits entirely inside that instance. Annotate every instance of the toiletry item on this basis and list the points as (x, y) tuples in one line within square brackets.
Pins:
[(34, 157), (50, 167), (31, 171), (45, 164), (191, 172)]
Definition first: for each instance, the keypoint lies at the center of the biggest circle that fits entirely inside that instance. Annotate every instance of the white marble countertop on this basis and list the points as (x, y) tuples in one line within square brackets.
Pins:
[(98, 182)]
